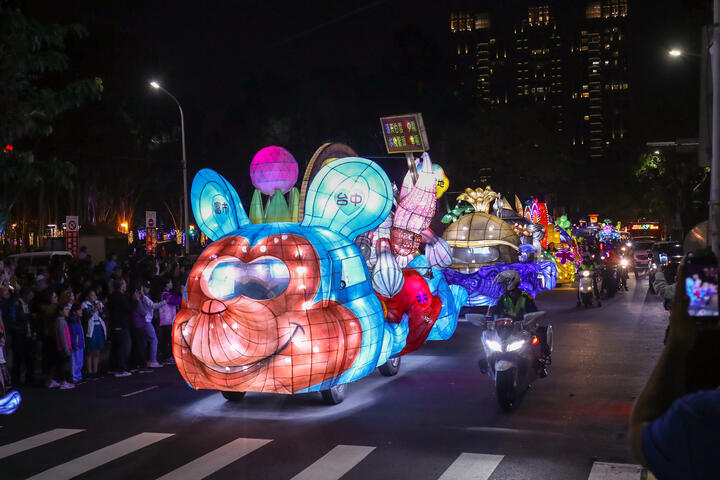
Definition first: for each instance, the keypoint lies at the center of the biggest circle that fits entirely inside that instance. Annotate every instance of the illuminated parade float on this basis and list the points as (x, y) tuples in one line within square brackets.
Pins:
[(320, 289)]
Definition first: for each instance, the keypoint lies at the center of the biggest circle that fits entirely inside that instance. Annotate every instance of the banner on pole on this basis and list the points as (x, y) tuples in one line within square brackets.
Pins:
[(72, 234)]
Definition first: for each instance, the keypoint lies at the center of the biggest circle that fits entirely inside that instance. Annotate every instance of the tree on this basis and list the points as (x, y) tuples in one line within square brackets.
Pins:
[(675, 189), (33, 94)]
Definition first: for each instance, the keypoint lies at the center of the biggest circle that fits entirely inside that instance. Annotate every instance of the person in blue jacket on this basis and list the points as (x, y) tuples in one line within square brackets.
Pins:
[(672, 432)]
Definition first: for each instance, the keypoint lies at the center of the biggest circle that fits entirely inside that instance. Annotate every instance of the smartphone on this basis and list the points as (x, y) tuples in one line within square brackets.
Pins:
[(701, 287)]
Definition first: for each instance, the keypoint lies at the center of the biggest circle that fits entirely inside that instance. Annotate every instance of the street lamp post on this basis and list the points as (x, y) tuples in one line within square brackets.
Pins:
[(157, 86), (713, 49), (714, 216)]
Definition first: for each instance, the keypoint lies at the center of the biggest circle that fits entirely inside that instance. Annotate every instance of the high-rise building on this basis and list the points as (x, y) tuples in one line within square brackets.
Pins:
[(599, 86), (573, 61), (537, 61)]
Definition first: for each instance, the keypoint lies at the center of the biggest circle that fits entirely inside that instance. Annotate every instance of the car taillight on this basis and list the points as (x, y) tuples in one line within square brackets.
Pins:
[(535, 340)]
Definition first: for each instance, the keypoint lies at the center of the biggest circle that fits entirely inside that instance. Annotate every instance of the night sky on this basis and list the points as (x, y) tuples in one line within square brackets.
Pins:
[(236, 64)]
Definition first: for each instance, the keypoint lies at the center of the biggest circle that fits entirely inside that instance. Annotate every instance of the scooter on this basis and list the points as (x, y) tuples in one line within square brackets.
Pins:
[(586, 290), (610, 281), (516, 353), (623, 274)]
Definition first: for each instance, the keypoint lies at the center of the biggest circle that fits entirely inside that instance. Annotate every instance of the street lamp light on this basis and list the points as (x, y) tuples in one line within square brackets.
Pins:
[(157, 86), (675, 52)]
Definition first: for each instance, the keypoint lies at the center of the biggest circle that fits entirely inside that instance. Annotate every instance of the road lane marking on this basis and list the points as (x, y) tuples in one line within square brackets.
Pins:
[(36, 441), (100, 457), (219, 458), (336, 463), (140, 391), (472, 466), (615, 471)]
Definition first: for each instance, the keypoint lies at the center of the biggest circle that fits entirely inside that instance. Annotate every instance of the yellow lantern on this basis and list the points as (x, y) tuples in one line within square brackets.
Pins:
[(443, 184)]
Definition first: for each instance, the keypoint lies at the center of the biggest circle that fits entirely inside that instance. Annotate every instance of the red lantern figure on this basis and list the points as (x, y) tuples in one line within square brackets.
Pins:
[(420, 305)]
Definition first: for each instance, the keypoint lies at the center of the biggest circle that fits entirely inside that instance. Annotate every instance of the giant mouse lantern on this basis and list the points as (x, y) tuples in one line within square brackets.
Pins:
[(285, 307)]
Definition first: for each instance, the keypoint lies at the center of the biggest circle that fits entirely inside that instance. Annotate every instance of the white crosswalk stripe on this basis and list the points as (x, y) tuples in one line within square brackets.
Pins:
[(219, 458), (36, 441), (97, 458), (615, 471), (336, 463), (472, 466), (331, 466)]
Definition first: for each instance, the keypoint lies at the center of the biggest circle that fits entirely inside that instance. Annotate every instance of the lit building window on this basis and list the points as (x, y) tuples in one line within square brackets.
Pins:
[(586, 117), (593, 10), (482, 21)]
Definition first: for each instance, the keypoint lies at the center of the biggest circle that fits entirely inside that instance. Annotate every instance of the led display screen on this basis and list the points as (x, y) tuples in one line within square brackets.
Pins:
[(404, 133)]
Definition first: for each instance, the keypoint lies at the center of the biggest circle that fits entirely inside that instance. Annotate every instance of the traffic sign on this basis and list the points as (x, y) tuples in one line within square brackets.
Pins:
[(150, 219), (72, 223)]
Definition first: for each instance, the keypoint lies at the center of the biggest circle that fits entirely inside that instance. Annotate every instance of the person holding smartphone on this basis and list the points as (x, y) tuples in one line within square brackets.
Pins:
[(676, 419)]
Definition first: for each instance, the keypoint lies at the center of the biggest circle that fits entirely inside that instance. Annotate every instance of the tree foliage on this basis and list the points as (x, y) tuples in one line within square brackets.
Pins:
[(33, 94), (31, 56), (675, 188)]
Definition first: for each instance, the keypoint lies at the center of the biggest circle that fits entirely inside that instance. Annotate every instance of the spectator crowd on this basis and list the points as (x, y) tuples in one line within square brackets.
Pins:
[(76, 321)]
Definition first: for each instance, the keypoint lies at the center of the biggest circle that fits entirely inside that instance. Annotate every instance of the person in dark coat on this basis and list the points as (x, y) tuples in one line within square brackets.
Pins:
[(120, 310)]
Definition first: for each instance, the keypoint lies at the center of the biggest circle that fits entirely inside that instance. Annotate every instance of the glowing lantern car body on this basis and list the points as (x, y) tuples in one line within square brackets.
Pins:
[(285, 307)]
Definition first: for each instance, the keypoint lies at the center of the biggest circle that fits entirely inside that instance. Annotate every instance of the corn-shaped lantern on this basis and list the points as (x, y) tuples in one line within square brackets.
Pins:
[(387, 276), (437, 251)]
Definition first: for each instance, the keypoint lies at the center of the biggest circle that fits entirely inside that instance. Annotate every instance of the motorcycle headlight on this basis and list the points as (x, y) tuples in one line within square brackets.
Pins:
[(623, 262), (586, 273), (493, 345), (516, 345)]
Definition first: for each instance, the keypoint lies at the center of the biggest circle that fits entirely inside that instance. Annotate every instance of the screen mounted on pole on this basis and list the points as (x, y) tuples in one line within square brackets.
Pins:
[(404, 133)]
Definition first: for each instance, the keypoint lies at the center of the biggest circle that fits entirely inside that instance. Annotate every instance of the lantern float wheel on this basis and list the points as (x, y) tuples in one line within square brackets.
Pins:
[(233, 396), (334, 395), (391, 367)]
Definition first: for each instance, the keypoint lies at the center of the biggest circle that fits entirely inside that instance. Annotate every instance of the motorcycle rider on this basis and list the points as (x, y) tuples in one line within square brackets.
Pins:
[(515, 303), (609, 279), (623, 274), (592, 267)]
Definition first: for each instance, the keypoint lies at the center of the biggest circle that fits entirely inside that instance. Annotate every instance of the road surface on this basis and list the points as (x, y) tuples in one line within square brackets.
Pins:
[(437, 419)]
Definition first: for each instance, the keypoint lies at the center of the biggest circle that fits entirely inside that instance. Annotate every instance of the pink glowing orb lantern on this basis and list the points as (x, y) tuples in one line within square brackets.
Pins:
[(273, 167)]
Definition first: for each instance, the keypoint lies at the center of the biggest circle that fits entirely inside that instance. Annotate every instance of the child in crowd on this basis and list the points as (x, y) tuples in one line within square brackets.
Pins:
[(63, 343), (77, 341), (67, 297), (93, 312)]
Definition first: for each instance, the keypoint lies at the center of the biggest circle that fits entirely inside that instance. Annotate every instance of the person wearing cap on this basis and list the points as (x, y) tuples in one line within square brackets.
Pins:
[(146, 332)]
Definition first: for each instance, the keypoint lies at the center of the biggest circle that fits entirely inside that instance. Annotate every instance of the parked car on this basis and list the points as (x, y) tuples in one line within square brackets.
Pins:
[(40, 262), (665, 257)]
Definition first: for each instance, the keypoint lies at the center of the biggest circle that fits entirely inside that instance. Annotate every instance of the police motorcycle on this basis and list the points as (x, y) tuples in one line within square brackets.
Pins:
[(516, 353), (623, 268), (609, 279), (587, 289)]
